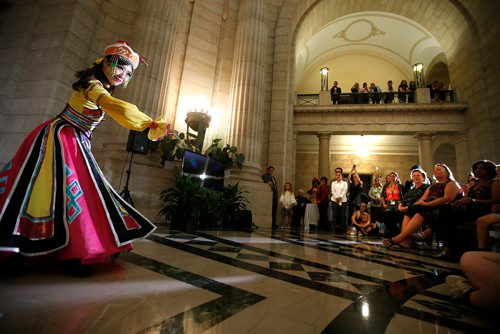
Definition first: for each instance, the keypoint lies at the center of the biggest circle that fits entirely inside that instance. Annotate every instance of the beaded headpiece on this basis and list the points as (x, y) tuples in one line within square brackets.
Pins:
[(121, 50)]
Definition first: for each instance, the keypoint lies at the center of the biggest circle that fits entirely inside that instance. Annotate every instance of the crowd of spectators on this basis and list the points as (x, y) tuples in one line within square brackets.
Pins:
[(420, 213), (373, 94), (408, 215)]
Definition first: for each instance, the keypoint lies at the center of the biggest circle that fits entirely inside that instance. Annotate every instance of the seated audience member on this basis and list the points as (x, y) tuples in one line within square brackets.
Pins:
[(479, 287), (419, 177), (361, 220), (402, 91), (392, 193), (299, 210), (375, 93), (428, 209), (477, 202), (389, 95), (411, 92), (334, 91), (470, 182), (409, 182)]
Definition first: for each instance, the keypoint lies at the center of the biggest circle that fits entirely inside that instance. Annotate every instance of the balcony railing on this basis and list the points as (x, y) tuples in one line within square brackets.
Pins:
[(373, 98)]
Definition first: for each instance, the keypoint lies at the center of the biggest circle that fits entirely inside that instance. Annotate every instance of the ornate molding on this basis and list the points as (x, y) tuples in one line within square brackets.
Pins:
[(358, 25)]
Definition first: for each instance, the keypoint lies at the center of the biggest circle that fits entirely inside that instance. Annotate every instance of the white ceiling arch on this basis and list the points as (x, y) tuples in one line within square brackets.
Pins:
[(395, 38)]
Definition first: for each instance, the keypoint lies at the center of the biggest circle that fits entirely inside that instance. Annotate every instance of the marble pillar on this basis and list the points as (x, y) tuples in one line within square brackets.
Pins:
[(324, 154), (246, 96), (152, 37), (425, 150)]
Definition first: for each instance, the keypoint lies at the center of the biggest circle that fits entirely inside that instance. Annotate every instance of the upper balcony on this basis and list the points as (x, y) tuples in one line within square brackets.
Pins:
[(379, 113), (373, 98)]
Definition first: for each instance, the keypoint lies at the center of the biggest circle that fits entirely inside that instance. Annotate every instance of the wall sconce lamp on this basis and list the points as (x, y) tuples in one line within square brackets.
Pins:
[(324, 78), (418, 73)]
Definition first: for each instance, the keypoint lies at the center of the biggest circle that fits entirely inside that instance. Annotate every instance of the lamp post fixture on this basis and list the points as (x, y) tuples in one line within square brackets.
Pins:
[(198, 120), (324, 78), (418, 73)]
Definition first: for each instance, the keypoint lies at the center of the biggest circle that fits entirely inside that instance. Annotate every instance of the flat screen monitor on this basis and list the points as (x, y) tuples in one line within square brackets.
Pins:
[(210, 171)]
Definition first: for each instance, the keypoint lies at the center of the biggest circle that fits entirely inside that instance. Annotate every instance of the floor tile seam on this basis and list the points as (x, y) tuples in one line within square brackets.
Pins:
[(228, 294), (392, 254), (285, 277), (380, 262), (175, 323), (311, 264), (187, 277), (317, 265)]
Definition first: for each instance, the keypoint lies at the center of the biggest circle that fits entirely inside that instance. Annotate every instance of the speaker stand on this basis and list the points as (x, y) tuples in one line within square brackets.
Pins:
[(125, 193)]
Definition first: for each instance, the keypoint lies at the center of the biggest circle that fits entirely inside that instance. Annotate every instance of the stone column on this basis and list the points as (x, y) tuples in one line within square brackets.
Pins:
[(425, 150), (151, 37), (324, 154), (246, 95)]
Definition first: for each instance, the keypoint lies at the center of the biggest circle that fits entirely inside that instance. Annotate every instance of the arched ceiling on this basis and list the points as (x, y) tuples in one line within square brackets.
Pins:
[(393, 37)]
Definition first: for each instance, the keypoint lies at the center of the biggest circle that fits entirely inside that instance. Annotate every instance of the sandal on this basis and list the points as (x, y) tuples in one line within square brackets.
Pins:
[(396, 246), (388, 243)]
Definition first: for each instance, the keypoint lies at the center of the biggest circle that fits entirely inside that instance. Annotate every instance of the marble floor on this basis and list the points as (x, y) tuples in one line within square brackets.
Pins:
[(240, 282)]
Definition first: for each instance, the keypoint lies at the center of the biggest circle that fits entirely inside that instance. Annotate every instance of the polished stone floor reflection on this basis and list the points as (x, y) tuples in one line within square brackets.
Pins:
[(240, 282)]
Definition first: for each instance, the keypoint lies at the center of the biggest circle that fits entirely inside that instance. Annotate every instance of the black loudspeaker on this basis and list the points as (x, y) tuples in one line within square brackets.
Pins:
[(138, 142)]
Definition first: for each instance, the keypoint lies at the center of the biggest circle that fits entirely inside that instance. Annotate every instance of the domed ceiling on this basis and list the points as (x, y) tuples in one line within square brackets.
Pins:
[(392, 37), (398, 40)]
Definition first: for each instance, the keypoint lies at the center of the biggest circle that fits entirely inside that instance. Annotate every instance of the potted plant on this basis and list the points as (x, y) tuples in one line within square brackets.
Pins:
[(188, 205), (182, 204), (233, 204), (228, 154), (173, 147)]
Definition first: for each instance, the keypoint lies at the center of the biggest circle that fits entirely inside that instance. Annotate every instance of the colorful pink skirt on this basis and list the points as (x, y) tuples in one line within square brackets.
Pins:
[(54, 199)]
